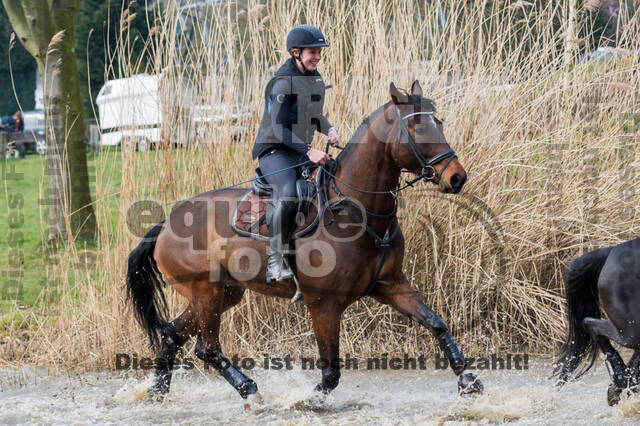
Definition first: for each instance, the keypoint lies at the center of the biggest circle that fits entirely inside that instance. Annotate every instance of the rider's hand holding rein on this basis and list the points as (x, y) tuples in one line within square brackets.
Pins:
[(333, 137), (318, 156)]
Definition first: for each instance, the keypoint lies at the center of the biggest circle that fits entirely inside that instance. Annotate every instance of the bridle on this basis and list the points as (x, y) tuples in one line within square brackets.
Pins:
[(428, 165), (428, 173)]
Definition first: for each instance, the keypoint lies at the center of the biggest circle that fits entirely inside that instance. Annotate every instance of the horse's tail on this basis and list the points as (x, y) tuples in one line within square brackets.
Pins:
[(144, 286), (582, 301)]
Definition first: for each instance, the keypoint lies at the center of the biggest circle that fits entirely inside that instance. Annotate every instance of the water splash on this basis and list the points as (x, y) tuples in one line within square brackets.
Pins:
[(628, 407), (363, 397), (134, 390)]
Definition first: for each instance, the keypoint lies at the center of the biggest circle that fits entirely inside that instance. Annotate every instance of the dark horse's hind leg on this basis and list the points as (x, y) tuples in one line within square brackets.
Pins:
[(601, 331), (173, 336), (209, 308), (634, 369), (402, 297)]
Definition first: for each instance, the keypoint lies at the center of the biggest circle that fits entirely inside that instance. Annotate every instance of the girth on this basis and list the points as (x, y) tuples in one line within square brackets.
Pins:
[(383, 244)]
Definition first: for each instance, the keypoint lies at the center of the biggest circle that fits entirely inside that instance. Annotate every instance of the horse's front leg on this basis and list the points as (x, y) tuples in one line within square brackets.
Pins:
[(325, 315), (402, 297)]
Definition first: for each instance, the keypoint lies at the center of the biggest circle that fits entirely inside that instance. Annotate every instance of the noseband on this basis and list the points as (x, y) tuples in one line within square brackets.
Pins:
[(428, 165)]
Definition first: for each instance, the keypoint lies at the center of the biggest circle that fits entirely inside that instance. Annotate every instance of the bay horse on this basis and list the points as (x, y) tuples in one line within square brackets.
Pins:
[(607, 279), (194, 251)]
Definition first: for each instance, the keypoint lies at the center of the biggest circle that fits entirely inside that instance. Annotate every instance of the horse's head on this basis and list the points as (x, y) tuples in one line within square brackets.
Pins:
[(419, 144)]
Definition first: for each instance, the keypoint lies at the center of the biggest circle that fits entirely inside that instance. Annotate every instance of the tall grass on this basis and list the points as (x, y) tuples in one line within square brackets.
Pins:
[(549, 145)]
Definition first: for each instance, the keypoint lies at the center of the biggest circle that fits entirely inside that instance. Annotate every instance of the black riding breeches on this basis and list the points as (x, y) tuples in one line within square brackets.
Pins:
[(282, 207), (284, 182)]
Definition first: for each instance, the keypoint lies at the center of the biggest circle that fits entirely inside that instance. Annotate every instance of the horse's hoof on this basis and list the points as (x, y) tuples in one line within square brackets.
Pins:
[(248, 388), (560, 383), (158, 391), (156, 396), (254, 404), (613, 396), (321, 389), (468, 384)]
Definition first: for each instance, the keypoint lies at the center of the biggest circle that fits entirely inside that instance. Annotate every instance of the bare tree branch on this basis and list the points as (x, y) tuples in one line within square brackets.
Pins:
[(40, 24), (18, 20)]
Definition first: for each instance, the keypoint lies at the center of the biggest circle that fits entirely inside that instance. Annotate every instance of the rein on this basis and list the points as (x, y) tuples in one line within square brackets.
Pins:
[(235, 185)]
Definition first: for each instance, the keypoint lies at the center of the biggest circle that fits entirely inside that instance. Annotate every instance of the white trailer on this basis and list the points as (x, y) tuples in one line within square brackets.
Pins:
[(130, 111)]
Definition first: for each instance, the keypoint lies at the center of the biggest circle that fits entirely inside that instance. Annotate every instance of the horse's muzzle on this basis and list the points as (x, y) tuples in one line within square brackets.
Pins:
[(456, 182)]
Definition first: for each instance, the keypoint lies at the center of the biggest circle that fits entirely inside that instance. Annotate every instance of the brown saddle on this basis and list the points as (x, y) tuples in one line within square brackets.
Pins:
[(249, 217)]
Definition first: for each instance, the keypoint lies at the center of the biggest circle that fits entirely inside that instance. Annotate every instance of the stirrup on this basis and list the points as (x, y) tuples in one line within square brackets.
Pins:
[(282, 275), (277, 269)]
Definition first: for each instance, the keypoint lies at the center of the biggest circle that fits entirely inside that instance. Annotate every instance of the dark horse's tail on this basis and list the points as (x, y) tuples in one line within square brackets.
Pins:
[(144, 286), (582, 301)]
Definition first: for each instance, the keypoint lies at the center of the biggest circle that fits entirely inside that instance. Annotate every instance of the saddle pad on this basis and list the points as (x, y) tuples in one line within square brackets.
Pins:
[(249, 217)]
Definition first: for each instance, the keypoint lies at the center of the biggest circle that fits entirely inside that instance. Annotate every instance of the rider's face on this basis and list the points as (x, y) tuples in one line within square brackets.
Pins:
[(310, 57)]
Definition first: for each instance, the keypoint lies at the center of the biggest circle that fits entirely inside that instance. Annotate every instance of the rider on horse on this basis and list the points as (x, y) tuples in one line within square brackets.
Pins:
[(294, 100)]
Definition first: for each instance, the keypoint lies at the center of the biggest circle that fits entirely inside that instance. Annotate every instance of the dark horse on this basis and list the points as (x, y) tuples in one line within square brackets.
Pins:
[(607, 279), (195, 250)]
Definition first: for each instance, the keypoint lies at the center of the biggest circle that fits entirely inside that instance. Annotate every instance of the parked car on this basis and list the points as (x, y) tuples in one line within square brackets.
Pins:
[(34, 126), (208, 119), (31, 138)]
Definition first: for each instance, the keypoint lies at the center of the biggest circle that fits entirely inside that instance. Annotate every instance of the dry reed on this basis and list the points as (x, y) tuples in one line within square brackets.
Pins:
[(549, 146)]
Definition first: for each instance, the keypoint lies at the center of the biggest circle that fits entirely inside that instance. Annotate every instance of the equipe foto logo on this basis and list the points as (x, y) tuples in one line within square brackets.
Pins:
[(433, 224)]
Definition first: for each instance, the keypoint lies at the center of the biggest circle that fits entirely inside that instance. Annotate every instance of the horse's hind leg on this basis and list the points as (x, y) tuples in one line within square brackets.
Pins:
[(402, 297), (173, 336), (209, 301), (634, 369), (601, 331)]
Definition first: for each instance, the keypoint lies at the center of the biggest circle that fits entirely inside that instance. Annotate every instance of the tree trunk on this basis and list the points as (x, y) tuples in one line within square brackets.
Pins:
[(70, 195), (46, 29)]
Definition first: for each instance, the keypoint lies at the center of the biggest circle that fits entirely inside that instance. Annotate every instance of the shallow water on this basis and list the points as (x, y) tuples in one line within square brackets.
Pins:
[(363, 397)]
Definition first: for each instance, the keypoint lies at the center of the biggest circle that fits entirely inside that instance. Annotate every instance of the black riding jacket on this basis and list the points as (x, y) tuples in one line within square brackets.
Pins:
[(292, 111)]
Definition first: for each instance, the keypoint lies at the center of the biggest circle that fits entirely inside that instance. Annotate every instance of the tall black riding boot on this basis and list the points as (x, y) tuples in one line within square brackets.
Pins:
[(281, 223)]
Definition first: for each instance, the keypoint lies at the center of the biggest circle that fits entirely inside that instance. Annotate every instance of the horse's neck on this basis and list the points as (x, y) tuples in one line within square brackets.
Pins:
[(368, 167)]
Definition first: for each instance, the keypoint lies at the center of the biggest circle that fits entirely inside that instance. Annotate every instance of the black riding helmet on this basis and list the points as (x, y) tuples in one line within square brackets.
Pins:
[(305, 36)]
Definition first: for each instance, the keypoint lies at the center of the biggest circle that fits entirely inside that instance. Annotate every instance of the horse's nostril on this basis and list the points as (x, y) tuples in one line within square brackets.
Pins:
[(457, 181)]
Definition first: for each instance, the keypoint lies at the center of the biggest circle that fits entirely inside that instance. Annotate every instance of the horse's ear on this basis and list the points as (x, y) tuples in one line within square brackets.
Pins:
[(416, 89), (396, 96)]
